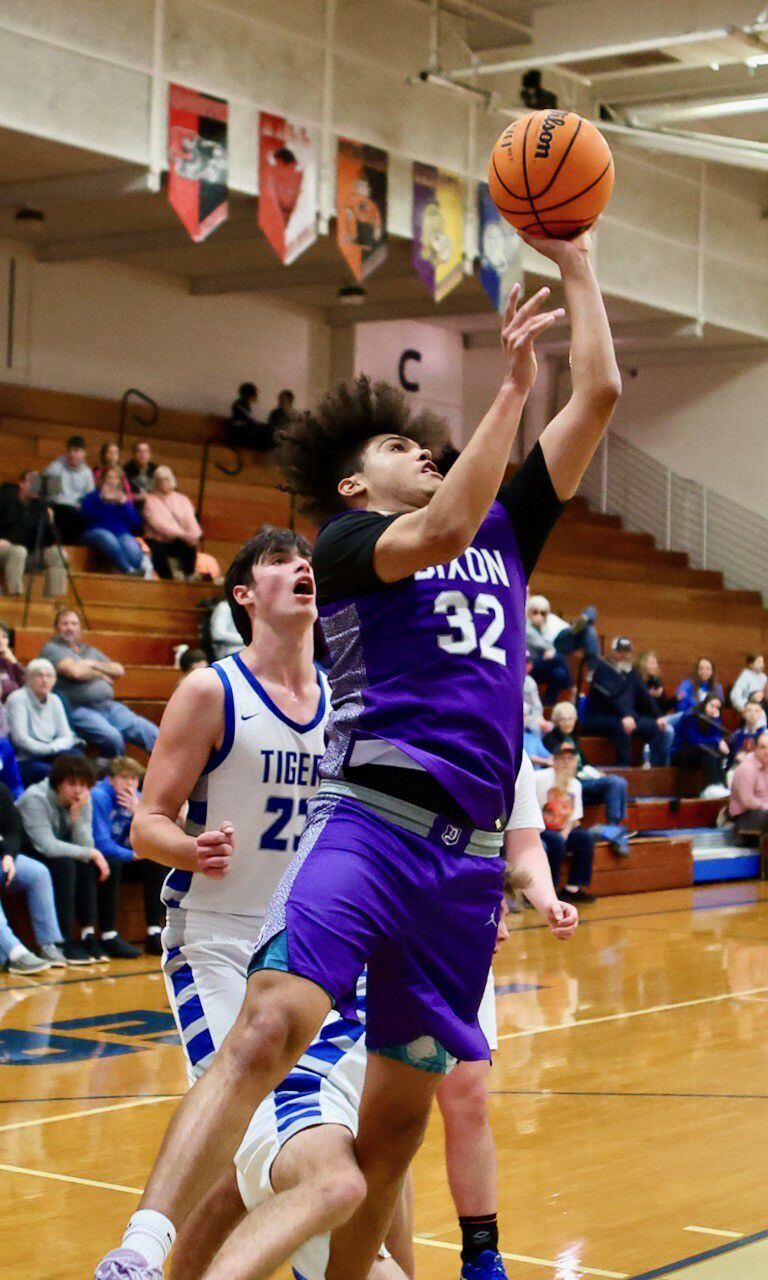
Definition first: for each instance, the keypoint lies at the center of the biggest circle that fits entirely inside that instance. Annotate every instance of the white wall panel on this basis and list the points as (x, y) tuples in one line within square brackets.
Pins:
[(57, 94), (116, 29)]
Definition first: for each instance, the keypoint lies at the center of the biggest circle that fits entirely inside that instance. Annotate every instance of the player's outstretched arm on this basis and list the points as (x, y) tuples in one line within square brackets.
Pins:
[(570, 439), (192, 725), (527, 861), (447, 525)]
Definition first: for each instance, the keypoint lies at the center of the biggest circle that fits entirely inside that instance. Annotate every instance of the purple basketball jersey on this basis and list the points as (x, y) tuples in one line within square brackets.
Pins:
[(434, 665)]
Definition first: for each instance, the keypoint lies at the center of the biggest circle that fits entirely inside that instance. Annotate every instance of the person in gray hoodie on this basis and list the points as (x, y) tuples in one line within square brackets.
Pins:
[(58, 821)]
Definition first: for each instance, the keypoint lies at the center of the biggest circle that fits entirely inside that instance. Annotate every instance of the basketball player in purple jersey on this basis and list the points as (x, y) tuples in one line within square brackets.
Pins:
[(421, 583)]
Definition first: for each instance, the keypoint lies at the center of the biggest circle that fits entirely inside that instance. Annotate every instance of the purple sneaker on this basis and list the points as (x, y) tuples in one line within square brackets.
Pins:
[(126, 1264)]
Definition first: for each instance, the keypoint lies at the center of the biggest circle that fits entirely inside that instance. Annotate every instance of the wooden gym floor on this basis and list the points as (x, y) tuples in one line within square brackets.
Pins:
[(630, 1101)]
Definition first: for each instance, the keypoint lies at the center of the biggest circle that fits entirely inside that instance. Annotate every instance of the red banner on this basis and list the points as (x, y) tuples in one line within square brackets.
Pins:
[(287, 186), (198, 160)]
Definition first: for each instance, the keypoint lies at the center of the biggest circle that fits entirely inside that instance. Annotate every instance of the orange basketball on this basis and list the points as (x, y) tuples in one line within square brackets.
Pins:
[(551, 174)]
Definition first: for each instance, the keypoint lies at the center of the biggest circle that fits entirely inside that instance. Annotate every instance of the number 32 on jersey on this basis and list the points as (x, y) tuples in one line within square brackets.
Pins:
[(462, 619)]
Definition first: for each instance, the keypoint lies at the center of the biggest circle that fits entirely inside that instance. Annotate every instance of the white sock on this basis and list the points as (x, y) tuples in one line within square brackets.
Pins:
[(151, 1234), (86, 933), (109, 935), (17, 952)]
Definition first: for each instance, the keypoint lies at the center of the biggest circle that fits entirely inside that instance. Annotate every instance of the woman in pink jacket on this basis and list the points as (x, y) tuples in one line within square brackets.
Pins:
[(170, 526)]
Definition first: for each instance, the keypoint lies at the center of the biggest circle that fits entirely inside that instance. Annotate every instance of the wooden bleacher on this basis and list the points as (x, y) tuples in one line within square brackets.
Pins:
[(652, 595)]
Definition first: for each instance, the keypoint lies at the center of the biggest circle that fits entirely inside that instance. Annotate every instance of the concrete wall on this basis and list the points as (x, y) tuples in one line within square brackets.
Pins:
[(98, 328)]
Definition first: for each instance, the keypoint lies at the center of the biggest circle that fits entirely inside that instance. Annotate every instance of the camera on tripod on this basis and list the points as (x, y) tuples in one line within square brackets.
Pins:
[(46, 488)]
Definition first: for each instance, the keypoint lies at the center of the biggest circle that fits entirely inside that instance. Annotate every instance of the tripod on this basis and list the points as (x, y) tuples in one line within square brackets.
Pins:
[(46, 524)]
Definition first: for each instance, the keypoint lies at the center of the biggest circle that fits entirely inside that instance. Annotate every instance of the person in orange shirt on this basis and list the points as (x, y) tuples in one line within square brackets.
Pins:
[(362, 217)]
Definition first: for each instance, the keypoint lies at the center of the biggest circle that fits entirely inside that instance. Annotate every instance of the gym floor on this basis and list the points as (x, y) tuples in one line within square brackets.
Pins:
[(629, 1104)]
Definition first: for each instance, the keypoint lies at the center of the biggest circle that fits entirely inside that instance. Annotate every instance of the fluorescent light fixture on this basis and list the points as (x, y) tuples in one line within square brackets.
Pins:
[(708, 109), (445, 82), (758, 60)]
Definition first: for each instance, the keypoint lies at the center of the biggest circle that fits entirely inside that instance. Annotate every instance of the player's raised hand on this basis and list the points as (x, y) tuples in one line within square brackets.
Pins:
[(521, 327), (563, 919), (560, 252), (214, 851)]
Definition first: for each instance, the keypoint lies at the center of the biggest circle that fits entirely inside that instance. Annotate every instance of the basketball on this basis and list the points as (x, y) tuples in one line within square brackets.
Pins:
[(551, 174)]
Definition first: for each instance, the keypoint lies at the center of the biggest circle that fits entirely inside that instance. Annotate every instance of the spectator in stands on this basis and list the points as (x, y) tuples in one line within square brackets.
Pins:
[(115, 799), (191, 660), (11, 670), (608, 789), (649, 670), (140, 471), (243, 428), (698, 687), (38, 725), (620, 707), (559, 794), (535, 723), (85, 681), (282, 414), (109, 459), (171, 528), (57, 818), (548, 666), (22, 874), (9, 768), (701, 742), (20, 517), (75, 477), (749, 790), (751, 680), (753, 722), (225, 637), (546, 631), (110, 522)]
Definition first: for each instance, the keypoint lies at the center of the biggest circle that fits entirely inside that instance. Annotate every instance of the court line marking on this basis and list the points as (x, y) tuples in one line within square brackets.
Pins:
[(631, 1013), (712, 1231), (626, 1093), (68, 1177), (648, 915), (32, 984), (90, 1097), (434, 1244), (92, 1111), (534, 1262), (684, 1263)]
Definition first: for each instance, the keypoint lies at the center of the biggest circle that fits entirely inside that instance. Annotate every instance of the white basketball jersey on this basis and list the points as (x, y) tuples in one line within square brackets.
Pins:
[(260, 780)]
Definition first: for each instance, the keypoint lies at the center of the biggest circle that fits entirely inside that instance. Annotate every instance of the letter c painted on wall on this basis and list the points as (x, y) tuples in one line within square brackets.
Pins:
[(407, 383)]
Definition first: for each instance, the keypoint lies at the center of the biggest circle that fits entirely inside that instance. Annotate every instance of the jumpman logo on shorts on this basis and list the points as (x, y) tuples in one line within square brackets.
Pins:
[(492, 920)]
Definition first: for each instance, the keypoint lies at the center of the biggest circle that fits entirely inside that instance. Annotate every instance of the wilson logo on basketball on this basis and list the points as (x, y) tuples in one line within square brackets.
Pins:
[(544, 143)]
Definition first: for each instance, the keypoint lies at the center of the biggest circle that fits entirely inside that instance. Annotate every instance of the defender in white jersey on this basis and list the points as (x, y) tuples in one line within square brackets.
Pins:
[(325, 1088), (263, 773)]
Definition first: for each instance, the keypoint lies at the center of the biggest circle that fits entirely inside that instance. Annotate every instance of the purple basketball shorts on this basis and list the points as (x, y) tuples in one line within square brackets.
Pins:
[(417, 910)]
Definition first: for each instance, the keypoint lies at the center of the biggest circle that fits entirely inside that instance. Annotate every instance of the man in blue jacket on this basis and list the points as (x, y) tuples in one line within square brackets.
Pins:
[(619, 706), (114, 801)]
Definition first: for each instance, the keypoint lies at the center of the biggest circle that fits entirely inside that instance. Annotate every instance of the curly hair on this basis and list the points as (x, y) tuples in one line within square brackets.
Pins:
[(317, 451)]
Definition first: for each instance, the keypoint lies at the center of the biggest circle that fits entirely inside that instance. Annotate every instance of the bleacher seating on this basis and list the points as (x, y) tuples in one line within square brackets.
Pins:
[(653, 595)]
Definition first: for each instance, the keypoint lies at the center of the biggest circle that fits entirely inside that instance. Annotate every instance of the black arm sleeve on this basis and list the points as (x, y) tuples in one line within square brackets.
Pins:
[(11, 830), (343, 555), (532, 505)]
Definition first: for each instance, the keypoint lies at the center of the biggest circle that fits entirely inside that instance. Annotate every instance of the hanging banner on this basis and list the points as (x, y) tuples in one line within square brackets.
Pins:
[(437, 224), (501, 259), (361, 206), (198, 160), (287, 186)]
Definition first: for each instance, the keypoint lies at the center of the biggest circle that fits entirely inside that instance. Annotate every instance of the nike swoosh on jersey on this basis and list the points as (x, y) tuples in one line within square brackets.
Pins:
[(251, 716)]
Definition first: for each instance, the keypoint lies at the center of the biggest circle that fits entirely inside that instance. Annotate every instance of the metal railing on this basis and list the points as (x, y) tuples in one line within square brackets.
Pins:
[(681, 514), (235, 470), (149, 420)]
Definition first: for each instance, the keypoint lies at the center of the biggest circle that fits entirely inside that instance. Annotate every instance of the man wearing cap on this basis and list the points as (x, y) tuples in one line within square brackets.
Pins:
[(559, 794), (620, 707)]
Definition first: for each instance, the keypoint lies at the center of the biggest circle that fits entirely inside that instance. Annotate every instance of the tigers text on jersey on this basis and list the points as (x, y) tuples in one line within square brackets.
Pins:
[(260, 780)]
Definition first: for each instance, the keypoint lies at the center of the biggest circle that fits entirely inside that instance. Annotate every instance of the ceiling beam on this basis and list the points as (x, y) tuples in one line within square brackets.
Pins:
[(621, 330), (698, 109), (412, 308), (283, 279), (129, 242), (42, 192)]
